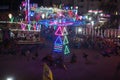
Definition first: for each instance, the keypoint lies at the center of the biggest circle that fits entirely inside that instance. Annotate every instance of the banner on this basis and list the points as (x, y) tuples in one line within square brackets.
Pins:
[(47, 73)]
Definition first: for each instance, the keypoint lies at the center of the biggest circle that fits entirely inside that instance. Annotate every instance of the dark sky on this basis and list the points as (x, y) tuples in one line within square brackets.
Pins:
[(14, 4), (4, 2)]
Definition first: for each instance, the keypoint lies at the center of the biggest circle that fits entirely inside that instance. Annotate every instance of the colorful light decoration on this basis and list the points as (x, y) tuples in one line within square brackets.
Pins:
[(38, 27), (34, 26), (55, 27), (26, 5), (58, 44), (59, 31), (29, 27), (58, 21), (65, 31), (65, 41), (11, 17), (61, 42), (23, 26), (66, 50), (58, 40)]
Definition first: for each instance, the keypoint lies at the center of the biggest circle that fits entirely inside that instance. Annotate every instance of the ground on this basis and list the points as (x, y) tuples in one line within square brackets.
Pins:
[(96, 68)]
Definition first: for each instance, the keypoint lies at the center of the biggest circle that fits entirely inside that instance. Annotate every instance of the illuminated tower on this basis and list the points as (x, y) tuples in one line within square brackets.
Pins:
[(61, 42), (26, 8)]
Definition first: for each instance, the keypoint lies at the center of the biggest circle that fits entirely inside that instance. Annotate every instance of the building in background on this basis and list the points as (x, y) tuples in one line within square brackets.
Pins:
[(83, 5)]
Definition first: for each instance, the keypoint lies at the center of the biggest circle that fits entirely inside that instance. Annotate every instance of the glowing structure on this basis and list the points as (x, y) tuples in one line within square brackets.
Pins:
[(11, 17), (58, 45), (65, 41), (26, 8), (23, 26), (58, 18), (61, 42), (29, 27)]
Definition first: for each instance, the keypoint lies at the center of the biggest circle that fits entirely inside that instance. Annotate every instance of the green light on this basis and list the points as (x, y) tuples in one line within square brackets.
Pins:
[(65, 41), (71, 7), (29, 27), (55, 27), (11, 19), (60, 6), (65, 31), (66, 50)]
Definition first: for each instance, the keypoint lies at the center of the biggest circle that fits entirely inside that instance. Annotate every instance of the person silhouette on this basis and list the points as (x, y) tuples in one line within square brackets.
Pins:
[(85, 56), (118, 67), (73, 58)]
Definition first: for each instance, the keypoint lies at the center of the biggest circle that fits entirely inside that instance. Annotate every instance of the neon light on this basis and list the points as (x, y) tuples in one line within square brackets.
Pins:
[(58, 40), (34, 26), (28, 10), (59, 31), (55, 27), (38, 27), (23, 27), (58, 47), (65, 41), (65, 31), (61, 24), (58, 50), (23, 3), (29, 27), (11, 19), (66, 50)]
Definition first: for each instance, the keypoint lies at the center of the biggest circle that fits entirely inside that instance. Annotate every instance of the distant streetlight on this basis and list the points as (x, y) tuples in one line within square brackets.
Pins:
[(86, 17), (90, 18), (43, 16), (92, 22), (11, 17), (101, 14), (96, 12), (10, 78), (80, 30)]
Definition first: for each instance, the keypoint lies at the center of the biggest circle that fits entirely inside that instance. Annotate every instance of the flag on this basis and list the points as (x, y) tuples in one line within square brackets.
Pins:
[(47, 73)]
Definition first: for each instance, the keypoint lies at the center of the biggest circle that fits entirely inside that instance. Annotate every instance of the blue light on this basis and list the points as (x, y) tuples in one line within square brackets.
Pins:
[(67, 8), (58, 47), (58, 41), (32, 13)]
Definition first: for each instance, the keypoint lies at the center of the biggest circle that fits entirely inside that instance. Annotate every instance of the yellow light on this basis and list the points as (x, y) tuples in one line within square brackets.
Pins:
[(10, 15)]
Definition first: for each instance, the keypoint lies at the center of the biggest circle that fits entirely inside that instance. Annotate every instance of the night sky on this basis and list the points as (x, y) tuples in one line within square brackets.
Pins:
[(14, 4)]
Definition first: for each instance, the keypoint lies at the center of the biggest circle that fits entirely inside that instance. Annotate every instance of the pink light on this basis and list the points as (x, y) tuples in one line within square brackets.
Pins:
[(80, 17), (23, 27), (26, 17), (70, 13), (59, 31), (100, 11), (23, 3), (61, 24), (58, 47), (60, 14), (90, 11), (34, 27)]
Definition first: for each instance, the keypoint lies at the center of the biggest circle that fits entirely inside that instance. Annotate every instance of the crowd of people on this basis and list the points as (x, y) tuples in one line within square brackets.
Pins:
[(106, 46)]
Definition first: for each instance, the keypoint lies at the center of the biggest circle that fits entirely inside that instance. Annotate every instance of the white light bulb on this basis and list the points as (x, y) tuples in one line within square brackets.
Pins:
[(9, 78)]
